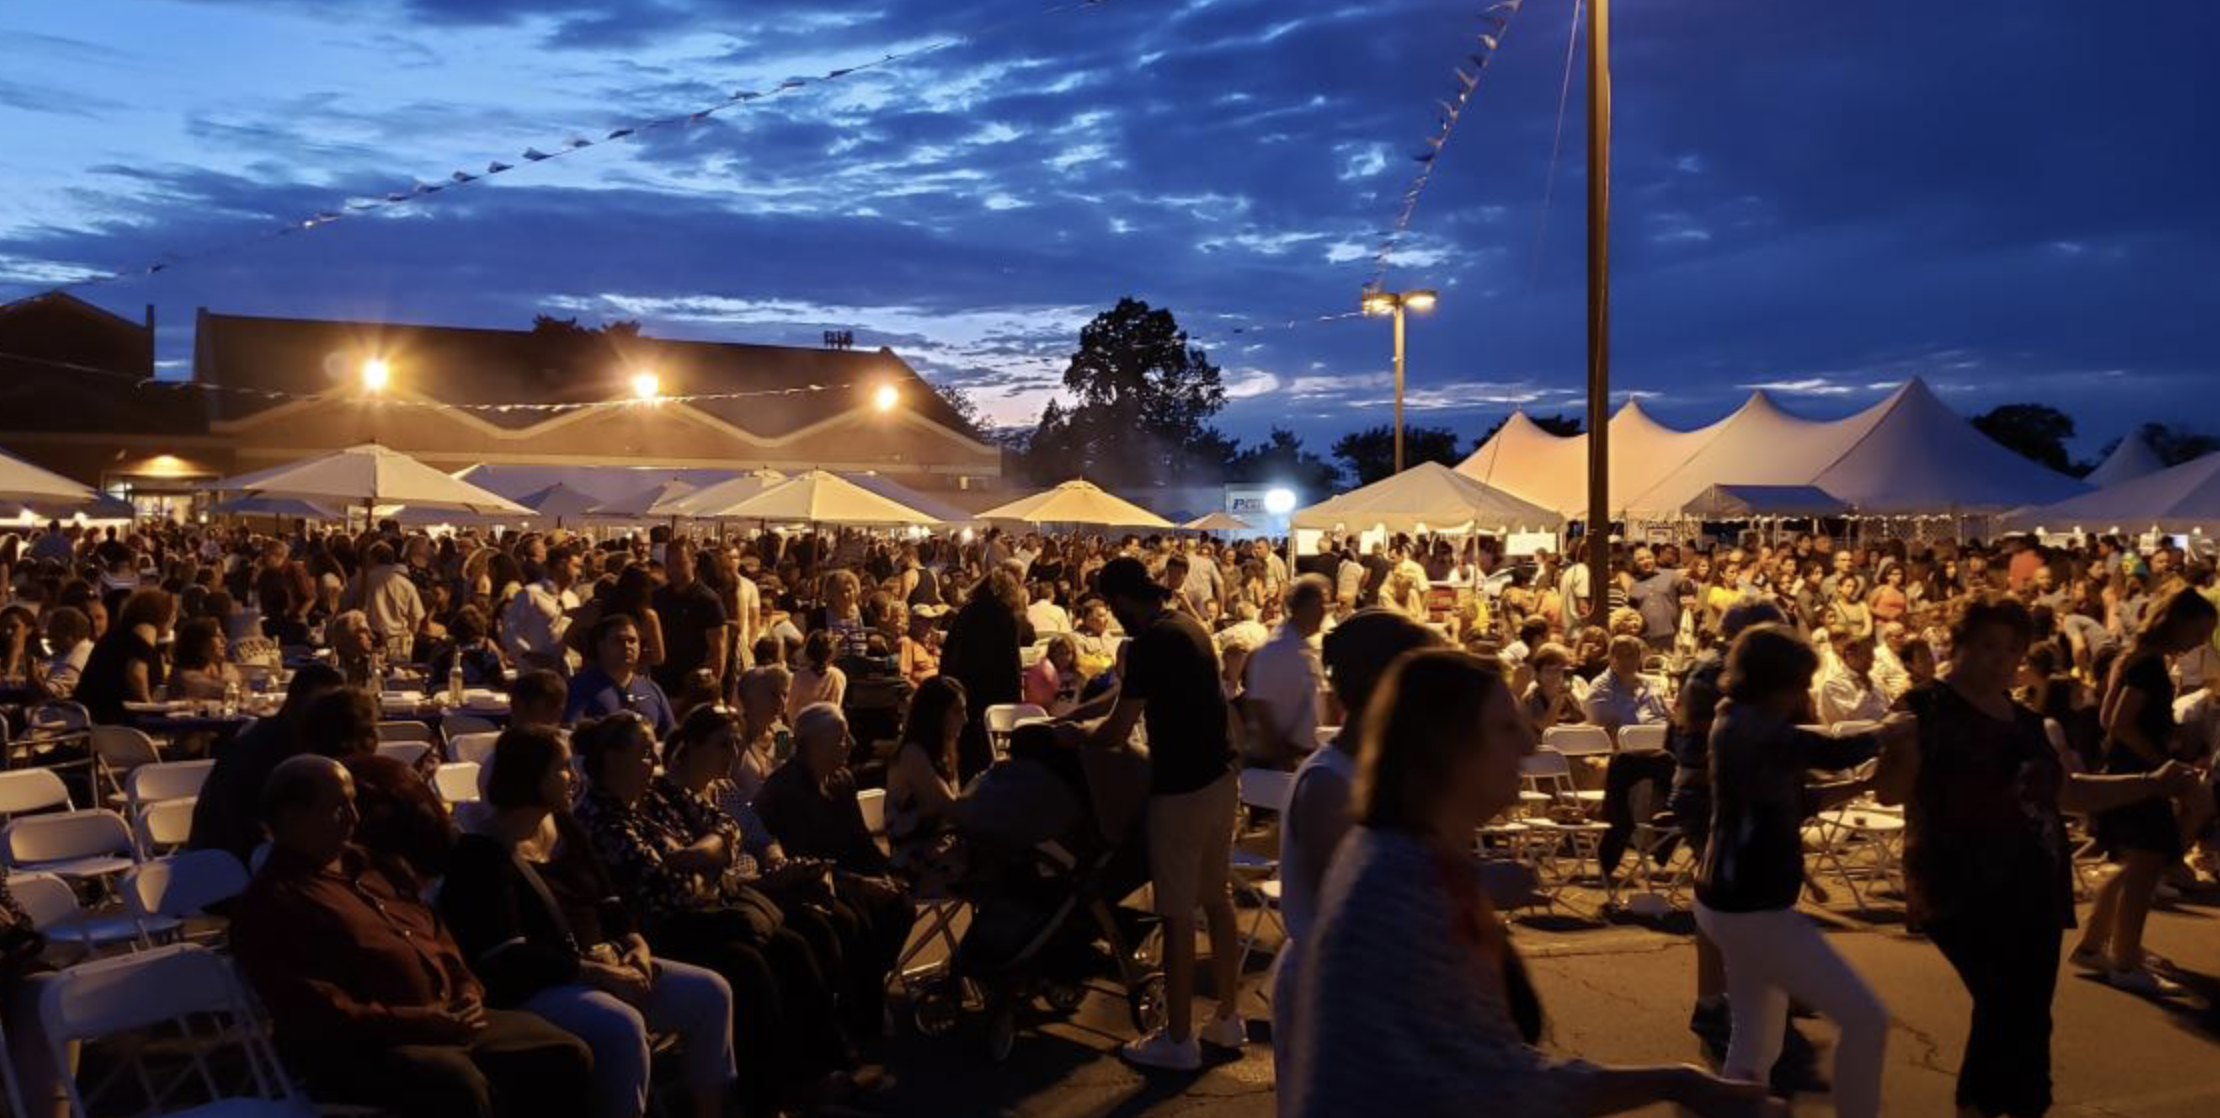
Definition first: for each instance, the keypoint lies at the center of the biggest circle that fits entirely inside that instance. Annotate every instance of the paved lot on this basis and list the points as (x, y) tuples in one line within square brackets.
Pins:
[(1621, 992)]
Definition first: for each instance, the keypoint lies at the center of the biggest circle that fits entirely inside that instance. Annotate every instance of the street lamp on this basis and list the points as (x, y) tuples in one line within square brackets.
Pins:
[(1378, 302), (375, 374), (646, 386), (886, 397)]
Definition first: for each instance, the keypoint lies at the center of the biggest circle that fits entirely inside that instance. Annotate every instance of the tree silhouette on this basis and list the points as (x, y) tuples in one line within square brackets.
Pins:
[(1369, 455), (2037, 432)]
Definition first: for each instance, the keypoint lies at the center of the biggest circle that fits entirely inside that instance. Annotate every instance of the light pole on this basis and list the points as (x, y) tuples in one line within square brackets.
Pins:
[(1599, 309), (1376, 302)]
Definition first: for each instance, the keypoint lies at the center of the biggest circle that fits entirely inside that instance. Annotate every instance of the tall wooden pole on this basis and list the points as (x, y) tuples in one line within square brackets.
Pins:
[(1599, 310), (1399, 384)]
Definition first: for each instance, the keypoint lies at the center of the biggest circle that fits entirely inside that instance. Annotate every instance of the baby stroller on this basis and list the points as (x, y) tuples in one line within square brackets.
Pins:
[(1054, 840)]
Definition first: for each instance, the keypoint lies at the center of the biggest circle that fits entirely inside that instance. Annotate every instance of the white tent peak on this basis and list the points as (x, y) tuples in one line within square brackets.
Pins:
[(2176, 499), (2132, 459)]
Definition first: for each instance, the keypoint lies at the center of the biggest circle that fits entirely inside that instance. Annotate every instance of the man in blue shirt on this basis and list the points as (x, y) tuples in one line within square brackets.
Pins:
[(613, 683)]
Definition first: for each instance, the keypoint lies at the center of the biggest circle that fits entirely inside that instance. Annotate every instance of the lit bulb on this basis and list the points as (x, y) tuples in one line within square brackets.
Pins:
[(375, 374), (646, 386), (886, 397)]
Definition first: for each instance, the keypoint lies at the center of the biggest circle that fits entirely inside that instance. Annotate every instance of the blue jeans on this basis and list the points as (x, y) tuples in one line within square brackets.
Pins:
[(688, 1000)]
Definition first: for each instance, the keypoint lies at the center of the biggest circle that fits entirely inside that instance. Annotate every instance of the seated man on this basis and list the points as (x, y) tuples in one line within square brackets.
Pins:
[(537, 698), (370, 996), (1622, 695), (614, 683), (1847, 692)]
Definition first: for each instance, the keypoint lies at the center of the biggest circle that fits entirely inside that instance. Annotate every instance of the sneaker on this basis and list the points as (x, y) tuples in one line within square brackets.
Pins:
[(2090, 959), (1796, 1071), (2141, 981), (1225, 1032), (1714, 1025), (1159, 1050)]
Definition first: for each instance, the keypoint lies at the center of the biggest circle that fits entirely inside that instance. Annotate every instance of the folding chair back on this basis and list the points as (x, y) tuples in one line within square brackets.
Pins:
[(1577, 741), (165, 780), (55, 910), (59, 718), (1643, 739), (24, 790), (1003, 718), (457, 782), (184, 885), (455, 725), (129, 993), (872, 802), (473, 748), (407, 752), (405, 729), (86, 843), (1548, 772), (164, 825)]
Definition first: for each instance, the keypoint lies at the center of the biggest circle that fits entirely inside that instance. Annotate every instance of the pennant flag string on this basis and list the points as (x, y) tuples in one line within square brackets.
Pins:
[(420, 191), (1497, 18)]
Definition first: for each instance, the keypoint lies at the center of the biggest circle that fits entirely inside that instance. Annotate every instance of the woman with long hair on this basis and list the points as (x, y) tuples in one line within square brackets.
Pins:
[(1409, 992), (921, 788), (2145, 836)]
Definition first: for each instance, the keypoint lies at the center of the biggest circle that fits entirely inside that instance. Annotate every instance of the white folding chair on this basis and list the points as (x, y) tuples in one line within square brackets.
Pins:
[(410, 753), (24, 790), (164, 780), (1255, 876), (88, 844), (1548, 774), (116, 751), (163, 826), (184, 985), (1577, 741), (1647, 738), (1838, 837), (474, 748), (405, 729), (456, 782), (163, 894), (455, 725), (1003, 718), (47, 728), (55, 910)]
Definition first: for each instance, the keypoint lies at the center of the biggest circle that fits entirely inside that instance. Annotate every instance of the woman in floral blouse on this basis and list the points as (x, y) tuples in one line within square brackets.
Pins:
[(676, 862)]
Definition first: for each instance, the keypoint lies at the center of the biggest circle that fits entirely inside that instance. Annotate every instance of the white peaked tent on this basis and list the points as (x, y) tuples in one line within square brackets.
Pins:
[(2132, 459), (1759, 444), (654, 502), (370, 474), (22, 481), (706, 501), (1918, 456), (1428, 497), (1754, 502), (2184, 498), (823, 497), (1552, 470), (1077, 502)]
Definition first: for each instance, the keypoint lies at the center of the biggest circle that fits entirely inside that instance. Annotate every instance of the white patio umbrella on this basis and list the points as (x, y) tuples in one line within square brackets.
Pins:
[(559, 502), (290, 508), (654, 502), (822, 497), (370, 475), (724, 494), (1219, 522), (1077, 502), (22, 481)]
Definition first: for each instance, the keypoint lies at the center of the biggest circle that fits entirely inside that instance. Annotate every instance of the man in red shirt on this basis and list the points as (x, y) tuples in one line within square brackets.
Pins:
[(371, 998)]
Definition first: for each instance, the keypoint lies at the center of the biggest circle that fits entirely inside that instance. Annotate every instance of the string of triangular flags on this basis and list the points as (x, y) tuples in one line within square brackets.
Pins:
[(419, 190), (1495, 21)]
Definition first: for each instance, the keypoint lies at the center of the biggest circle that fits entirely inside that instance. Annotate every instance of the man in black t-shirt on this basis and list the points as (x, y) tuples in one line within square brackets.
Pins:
[(1169, 686), (693, 624)]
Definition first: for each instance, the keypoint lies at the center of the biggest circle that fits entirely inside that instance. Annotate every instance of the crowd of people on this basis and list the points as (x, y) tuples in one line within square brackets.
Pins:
[(669, 851)]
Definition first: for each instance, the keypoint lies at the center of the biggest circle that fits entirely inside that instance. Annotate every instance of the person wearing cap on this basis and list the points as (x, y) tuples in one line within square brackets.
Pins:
[(1357, 654), (1170, 688)]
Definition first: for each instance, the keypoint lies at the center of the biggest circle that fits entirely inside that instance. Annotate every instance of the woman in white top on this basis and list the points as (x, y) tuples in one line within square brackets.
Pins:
[(819, 680), (1357, 655)]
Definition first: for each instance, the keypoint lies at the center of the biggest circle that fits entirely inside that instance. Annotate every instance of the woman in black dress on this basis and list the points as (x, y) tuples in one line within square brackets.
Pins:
[(2144, 837)]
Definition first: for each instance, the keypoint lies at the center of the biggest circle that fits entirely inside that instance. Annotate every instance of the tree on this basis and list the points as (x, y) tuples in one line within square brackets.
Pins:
[(1281, 460), (2037, 432), (1144, 401), (1567, 425), (960, 402), (1369, 455), (2175, 445)]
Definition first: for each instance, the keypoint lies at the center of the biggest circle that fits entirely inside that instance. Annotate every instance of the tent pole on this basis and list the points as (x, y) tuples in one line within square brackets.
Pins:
[(1599, 310)]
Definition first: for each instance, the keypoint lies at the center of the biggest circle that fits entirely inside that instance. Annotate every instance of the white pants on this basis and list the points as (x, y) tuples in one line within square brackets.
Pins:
[(1773, 956)]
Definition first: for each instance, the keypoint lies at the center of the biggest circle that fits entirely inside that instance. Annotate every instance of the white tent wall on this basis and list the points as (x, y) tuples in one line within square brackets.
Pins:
[(2184, 498)]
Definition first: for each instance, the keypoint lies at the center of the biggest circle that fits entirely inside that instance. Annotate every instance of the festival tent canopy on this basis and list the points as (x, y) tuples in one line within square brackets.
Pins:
[(2132, 459), (1752, 502), (1427, 497), (2185, 498), (823, 497), (291, 508), (559, 502), (370, 474), (1077, 502), (705, 502), (1550, 470), (22, 481), (1918, 456), (1218, 522), (654, 502)]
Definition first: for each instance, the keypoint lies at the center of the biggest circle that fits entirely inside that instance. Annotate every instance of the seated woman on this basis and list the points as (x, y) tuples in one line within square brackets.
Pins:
[(920, 647), (1406, 1003), (356, 650), (198, 660), (22, 674), (1052, 683), (819, 680), (538, 918), (921, 790), (680, 866), (126, 662), (472, 648)]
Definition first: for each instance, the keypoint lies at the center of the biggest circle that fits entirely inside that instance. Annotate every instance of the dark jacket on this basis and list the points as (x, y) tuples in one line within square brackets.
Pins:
[(516, 943), (1755, 862)]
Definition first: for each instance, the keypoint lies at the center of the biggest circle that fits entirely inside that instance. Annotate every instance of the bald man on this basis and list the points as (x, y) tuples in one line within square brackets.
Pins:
[(371, 998)]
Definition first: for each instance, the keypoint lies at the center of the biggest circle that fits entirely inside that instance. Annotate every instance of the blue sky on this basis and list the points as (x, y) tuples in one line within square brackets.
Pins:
[(2013, 199)]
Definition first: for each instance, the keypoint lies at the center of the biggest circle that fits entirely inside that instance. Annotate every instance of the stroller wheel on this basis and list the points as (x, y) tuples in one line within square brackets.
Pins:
[(1001, 1032), (937, 1012), (1146, 1001), (1064, 997)]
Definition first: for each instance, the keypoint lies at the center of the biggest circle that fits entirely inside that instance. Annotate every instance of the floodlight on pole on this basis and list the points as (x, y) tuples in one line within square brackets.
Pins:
[(376, 374), (1377, 302), (646, 386), (886, 397)]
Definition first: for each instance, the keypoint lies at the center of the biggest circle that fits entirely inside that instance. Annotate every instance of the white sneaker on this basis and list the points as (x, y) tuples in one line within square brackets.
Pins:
[(2142, 981), (1159, 1050), (1225, 1032)]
